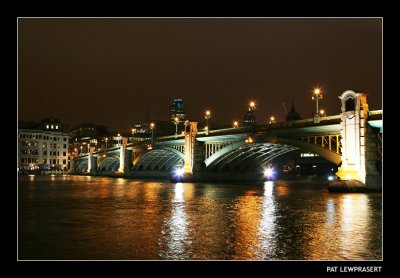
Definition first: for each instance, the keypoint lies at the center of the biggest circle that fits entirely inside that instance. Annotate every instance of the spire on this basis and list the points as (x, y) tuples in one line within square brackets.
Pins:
[(293, 115), (292, 109)]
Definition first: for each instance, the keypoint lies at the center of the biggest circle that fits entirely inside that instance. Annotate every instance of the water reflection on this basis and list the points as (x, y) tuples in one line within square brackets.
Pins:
[(267, 233), (104, 218), (175, 228), (354, 222)]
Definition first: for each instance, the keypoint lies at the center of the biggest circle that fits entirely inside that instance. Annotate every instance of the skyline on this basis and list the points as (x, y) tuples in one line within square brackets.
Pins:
[(104, 71)]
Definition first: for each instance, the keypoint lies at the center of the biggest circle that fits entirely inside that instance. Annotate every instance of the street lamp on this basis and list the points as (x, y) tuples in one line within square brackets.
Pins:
[(322, 112), (152, 131), (272, 120), (235, 124), (252, 106), (106, 142), (317, 96), (176, 121), (207, 117), (119, 139), (81, 149)]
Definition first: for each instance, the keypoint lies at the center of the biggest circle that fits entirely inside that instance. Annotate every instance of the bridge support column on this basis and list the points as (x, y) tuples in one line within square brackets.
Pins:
[(127, 162), (373, 178), (93, 162), (354, 134), (190, 139), (72, 165), (122, 152), (89, 157)]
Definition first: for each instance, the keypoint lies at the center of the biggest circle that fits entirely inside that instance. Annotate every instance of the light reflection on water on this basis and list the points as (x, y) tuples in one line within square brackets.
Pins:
[(79, 217)]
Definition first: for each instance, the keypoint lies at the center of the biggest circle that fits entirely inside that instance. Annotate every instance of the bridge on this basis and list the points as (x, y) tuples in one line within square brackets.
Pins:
[(351, 140)]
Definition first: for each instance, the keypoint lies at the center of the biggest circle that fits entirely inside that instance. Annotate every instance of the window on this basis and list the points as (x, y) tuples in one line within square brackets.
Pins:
[(64, 153), (45, 153), (54, 145), (58, 153), (350, 104), (44, 160), (56, 126), (44, 145), (65, 146), (58, 161), (29, 160), (65, 139), (64, 161), (54, 161), (55, 138), (52, 126), (47, 126), (22, 160)]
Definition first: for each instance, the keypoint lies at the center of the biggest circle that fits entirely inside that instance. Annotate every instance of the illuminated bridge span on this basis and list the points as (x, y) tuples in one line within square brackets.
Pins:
[(351, 140)]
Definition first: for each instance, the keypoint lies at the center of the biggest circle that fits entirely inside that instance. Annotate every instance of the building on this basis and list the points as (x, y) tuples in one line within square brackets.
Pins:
[(176, 110), (89, 135), (249, 118), (42, 146)]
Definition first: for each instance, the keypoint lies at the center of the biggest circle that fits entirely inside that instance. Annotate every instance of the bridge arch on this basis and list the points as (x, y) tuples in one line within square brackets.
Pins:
[(108, 164), (161, 159), (242, 156), (82, 166)]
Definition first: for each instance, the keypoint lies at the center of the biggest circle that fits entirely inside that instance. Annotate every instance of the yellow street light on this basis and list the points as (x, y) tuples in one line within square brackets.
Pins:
[(317, 96), (252, 106), (272, 120), (235, 124)]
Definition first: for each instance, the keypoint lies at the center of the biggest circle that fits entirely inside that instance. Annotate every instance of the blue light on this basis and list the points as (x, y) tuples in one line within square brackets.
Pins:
[(331, 178), (269, 172), (179, 172)]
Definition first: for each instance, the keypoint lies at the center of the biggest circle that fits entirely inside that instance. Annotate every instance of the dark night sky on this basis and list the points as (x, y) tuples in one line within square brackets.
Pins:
[(103, 70)]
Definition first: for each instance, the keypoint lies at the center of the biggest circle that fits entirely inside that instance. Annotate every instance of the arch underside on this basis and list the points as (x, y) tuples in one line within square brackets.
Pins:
[(109, 164), (82, 166), (249, 157), (243, 157), (159, 160)]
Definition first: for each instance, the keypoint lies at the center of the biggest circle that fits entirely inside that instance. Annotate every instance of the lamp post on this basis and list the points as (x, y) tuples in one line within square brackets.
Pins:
[(317, 96), (81, 150), (133, 133), (235, 124), (322, 112), (119, 139), (176, 121), (207, 117), (106, 142), (152, 131), (252, 106)]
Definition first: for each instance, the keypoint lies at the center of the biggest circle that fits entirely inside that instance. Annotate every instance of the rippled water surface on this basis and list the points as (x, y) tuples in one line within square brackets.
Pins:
[(79, 217)]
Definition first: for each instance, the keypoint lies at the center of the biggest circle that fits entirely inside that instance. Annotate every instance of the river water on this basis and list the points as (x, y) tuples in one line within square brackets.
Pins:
[(96, 218)]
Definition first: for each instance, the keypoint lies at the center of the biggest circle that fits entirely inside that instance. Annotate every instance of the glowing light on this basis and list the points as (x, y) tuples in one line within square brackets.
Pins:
[(347, 177), (252, 104), (235, 124), (152, 125), (176, 119), (272, 120), (317, 91), (330, 178), (321, 112), (179, 172), (269, 172)]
